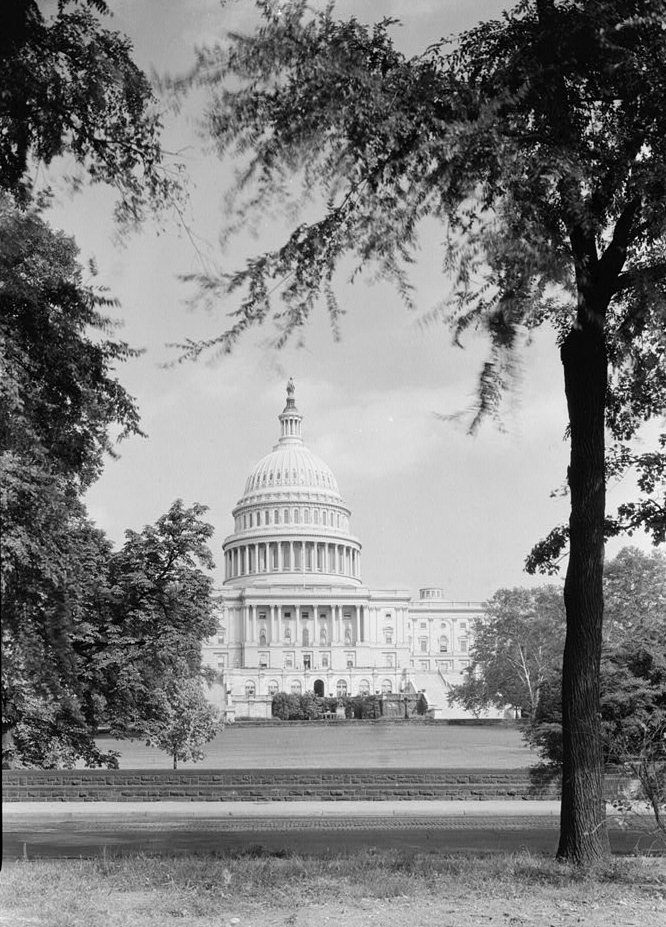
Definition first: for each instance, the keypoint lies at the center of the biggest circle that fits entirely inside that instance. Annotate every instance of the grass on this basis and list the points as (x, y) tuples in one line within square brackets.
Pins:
[(389, 887)]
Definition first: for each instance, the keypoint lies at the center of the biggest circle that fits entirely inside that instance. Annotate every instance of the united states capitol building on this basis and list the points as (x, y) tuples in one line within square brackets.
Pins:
[(294, 613)]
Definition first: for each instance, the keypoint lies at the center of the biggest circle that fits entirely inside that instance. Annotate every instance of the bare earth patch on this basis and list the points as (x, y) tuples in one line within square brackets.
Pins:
[(369, 887)]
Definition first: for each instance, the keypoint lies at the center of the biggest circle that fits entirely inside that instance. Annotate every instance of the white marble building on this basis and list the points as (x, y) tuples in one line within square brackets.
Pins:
[(295, 615)]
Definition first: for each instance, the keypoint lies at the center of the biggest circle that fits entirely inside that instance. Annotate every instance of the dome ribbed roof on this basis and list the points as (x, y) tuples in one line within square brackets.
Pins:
[(291, 469), (291, 466)]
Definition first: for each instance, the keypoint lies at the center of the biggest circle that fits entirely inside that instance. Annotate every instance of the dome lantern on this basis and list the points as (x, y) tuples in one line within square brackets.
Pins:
[(290, 419)]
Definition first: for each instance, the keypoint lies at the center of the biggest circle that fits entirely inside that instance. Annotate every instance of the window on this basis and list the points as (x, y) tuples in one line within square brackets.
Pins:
[(285, 516), (463, 644), (463, 625), (296, 516), (250, 689), (423, 644), (296, 687), (306, 516), (307, 661), (273, 687), (325, 660), (364, 687), (443, 643), (221, 636), (322, 635), (388, 659), (287, 632), (289, 661), (388, 635), (424, 625), (263, 660), (387, 687), (446, 666), (276, 517), (324, 518), (306, 637), (348, 638), (424, 665), (262, 638), (220, 663), (349, 659), (341, 688)]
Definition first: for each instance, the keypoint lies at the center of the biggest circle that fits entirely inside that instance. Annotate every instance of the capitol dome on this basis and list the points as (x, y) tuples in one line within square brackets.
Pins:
[(291, 518)]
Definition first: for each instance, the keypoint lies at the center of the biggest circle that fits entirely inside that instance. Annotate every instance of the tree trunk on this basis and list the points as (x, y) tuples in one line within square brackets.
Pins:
[(583, 834), (175, 761)]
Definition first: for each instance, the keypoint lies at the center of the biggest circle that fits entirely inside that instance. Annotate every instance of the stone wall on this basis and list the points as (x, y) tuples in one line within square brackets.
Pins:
[(279, 785)]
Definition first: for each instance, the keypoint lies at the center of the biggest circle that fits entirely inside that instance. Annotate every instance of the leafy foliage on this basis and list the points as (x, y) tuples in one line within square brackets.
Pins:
[(106, 643), (633, 669), (185, 720), (59, 402), (516, 650), (71, 87)]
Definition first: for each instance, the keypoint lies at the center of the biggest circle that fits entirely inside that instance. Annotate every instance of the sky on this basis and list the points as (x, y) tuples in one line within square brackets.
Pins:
[(431, 505)]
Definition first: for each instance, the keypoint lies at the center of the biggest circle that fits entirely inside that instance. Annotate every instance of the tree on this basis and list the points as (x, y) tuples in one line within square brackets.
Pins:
[(539, 142), (516, 650), (186, 721), (102, 640), (520, 638), (160, 609), (59, 402), (71, 87)]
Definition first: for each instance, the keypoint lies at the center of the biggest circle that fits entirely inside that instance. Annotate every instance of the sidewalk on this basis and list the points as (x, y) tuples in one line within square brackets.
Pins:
[(30, 812)]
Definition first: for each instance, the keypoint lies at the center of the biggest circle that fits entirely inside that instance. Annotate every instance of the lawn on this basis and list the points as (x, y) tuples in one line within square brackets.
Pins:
[(330, 746), (387, 888)]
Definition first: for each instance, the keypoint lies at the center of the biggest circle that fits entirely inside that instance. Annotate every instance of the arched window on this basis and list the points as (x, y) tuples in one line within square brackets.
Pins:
[(296, 687), (341, 688), (250, 689), (306, 516), (306, 637), (324, 518), (296, 516), (273, 687), (364, 687), (443, 643), (387, 687), (286, 516), (322, 635), (276, 517), (287, 632)]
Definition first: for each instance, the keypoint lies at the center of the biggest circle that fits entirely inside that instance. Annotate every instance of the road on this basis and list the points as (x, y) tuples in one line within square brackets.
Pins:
[(66, 831)]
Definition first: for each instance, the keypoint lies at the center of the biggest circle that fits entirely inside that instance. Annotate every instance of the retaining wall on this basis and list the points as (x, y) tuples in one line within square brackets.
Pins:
[(280, 785)]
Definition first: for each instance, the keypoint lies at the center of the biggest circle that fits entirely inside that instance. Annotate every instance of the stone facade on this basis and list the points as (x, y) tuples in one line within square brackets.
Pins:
[(294, 614)]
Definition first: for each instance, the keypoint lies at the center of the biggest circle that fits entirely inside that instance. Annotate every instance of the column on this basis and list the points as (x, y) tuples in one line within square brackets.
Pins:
[(256, 558), (292, 564), (253, 623), (280, 557)]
